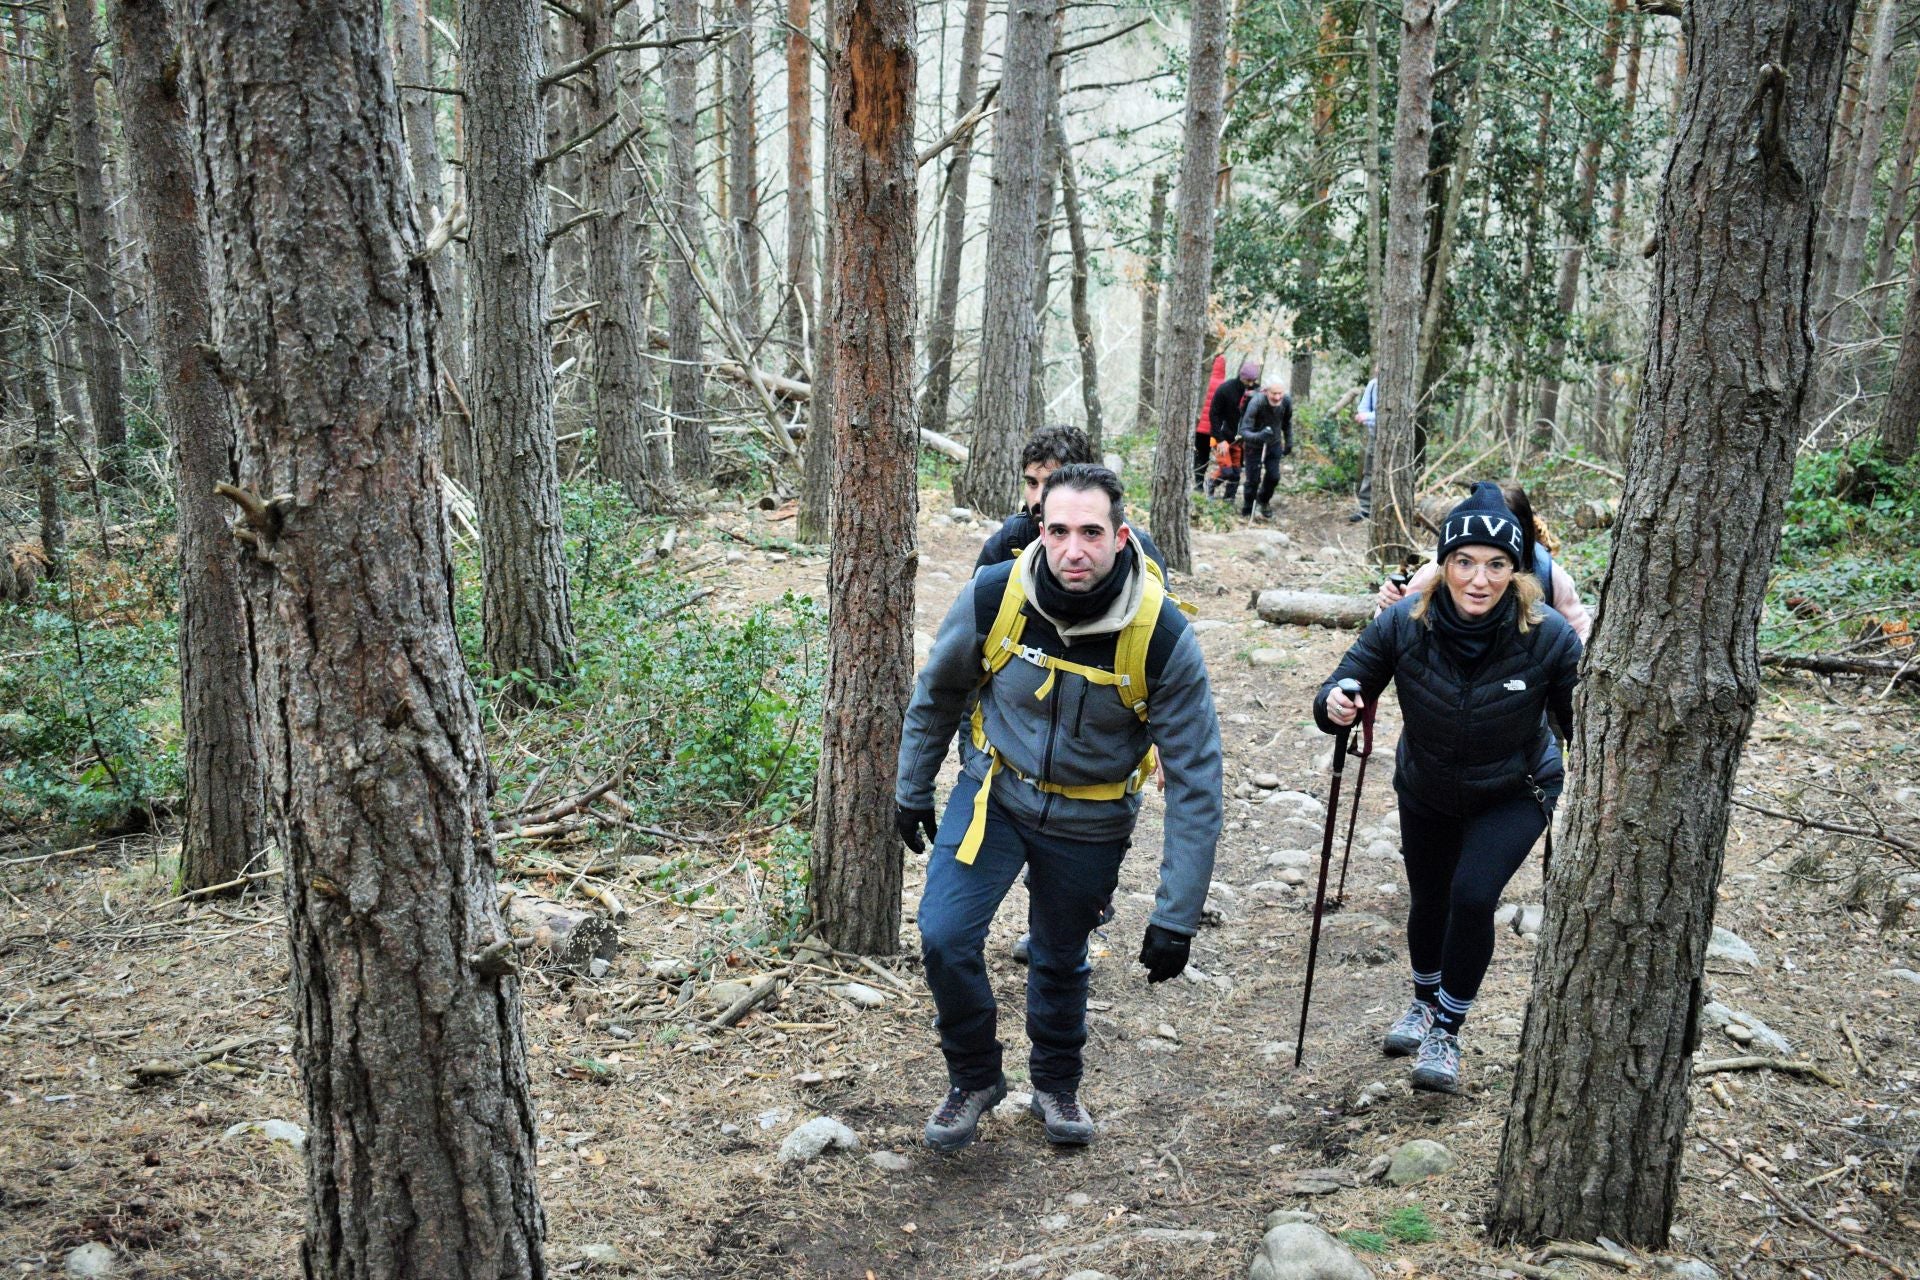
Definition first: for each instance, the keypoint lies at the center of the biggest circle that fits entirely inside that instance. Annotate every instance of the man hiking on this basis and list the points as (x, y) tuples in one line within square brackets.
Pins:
[(1046, 451), (1266, 435), (1090, 670)]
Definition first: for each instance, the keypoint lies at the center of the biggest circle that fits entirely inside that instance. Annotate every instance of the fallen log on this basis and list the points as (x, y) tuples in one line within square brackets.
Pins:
[(572, 937), (1596, 513), (1313, 609), (1827, 664)]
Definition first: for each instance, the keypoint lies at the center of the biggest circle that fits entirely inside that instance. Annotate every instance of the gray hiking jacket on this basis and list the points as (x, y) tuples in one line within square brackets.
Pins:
[(1080, 734)]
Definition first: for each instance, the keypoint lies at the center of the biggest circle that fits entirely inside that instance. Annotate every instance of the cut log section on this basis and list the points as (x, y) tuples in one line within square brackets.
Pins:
[(1313, 609), (1596, 513), (572, 937)]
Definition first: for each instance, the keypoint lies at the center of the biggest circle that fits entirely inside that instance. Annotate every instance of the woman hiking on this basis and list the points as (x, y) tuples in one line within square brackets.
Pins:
[(1479, 665)]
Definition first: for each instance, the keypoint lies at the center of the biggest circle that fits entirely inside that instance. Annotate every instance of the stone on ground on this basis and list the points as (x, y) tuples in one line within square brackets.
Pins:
[(818, 1135), (1422, 1158), (890, 1161), (1728, 945), (1302, 1251), (1285, 1217), (92, 1259), (1744, 1028), (861, 994)]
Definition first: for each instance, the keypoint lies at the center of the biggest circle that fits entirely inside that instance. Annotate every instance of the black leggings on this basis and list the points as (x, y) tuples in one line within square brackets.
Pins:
[(1202, 456), (1456, 868)]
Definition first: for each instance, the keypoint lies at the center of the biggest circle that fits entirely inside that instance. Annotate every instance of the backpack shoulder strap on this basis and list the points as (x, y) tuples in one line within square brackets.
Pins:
[(1130, 652), (1009, 621)]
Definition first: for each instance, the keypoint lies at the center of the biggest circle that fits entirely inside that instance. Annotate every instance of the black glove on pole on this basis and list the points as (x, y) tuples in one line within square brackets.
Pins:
[(1352, 689), (1164, 952), (910, 823)]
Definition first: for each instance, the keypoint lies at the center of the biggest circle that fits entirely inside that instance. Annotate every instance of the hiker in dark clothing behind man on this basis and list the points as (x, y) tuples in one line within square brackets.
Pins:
[(1047, 450), (1224, 410), (1079, 640), (1266, 435), (1479, 665)]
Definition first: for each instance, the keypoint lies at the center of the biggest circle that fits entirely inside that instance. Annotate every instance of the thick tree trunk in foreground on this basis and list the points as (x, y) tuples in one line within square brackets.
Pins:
[(692, 444), (953, 230), (857, 858), (621, 388), (99, 342), (417, 110), (1594, 1139), (1394, 469), (1082, 320), (225, 822), (420, 1127), (1183, 372), (990, 481), (527, 619), (1144, 418)]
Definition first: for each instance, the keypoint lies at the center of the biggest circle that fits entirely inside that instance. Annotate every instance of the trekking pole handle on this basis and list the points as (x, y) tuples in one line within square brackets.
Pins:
[(1351, 688)]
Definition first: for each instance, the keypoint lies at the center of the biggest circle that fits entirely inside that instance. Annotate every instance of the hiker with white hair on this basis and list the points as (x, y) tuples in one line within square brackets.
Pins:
[(1266, 436)]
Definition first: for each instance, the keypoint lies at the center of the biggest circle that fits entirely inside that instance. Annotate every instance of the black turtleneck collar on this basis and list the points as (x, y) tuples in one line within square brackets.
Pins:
[(1468, 640), (1077, 606)]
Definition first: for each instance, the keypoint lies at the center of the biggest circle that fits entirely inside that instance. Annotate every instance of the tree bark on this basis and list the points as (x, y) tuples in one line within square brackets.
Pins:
[(1899, 197), (1143, 418), (225, 819), (1082, 319), (420, 1125), (1850, 233), (46, 441), (743, 262), (991, 479), (1603, 411), (1326, 83), (1586, 189), (527, 618), (814, 521), (1037, 393), (1183, 371), (857, 857), (692, 444), (1833, 199), (953, 235), (1900, 415), (621, 390), (1393, 454), (100, 345), (417, 111), (1370, 162), (802, 314), (1597, 1128)]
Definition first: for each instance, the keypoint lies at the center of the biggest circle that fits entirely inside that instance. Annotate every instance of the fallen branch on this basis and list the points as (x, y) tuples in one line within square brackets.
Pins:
[(210, 890), (165, 1068), (1145, 1235), (1575, 1251), (1795, 1208), (1755, 1063), (759, 992), (44, 857), (1608, 472), (1827, 664), (1837, 828), (557, 810)]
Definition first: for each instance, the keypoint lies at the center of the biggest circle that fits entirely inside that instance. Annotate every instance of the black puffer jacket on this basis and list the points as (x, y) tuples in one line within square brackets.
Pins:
[(1467, 740)]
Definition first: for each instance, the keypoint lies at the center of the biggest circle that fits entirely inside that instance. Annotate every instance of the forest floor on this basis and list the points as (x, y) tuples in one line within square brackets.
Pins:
[(660, 1134)]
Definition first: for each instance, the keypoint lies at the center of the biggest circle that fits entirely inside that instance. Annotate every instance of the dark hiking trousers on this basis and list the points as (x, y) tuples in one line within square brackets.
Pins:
[(1260, 468), (1202, 457), (1456, 869), (1069, 881)]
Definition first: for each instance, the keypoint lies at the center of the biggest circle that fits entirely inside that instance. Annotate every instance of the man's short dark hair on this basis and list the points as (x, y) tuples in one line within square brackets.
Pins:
[(1058, 446), (1086, 477)]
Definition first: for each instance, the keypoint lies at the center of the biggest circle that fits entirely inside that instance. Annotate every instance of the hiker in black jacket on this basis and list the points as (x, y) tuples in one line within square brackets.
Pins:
[(1266, 435), (1046, 451), (1479, 665)]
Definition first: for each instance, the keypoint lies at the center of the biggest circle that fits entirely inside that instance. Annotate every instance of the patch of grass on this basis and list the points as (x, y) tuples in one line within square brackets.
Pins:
[(1409, 1224), (1364, 1241)]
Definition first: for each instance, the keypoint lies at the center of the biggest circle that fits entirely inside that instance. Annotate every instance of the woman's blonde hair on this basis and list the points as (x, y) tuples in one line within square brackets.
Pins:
[(1526, 613)]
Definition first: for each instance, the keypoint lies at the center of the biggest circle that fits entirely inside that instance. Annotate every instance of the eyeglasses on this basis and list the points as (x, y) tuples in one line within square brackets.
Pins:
[(1466, 568)]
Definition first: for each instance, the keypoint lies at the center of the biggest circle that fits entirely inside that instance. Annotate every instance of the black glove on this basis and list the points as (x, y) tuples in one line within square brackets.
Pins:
[(1164, 952), (910, 823)]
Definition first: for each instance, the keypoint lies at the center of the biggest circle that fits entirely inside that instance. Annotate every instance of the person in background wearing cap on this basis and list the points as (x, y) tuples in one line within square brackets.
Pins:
[(1479, 665), (1224, 408)]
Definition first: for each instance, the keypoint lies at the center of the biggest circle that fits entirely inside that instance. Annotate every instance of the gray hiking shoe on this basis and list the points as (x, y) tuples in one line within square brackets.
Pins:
[(954, 1121), (1437, 1069), (1023, 949), (1067, 1122), (1404, 1037)]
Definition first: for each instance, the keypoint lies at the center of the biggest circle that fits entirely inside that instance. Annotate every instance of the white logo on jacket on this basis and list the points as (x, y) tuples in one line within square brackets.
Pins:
[(1514, 686)]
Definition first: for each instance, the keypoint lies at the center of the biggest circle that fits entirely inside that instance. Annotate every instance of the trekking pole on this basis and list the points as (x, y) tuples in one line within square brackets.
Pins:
[(1364, 751), (1352, 689)]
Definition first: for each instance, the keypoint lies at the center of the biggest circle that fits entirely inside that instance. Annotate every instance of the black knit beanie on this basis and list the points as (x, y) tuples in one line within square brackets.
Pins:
[(1483, 519)]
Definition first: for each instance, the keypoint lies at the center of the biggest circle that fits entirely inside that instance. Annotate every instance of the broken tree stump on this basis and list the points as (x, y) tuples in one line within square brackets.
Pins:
[(1313, 609), (572, 937)]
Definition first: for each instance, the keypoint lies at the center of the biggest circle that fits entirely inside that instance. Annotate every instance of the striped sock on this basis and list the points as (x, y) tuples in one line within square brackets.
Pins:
[(1451, 1013), (1426, 987)]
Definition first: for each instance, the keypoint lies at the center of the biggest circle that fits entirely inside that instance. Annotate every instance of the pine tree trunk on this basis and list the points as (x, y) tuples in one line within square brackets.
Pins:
[(1900, 415), (417, 112), (1313, 235), (621, 390), (802, 315), (1082, 320), (1849, 258), (225, 819), (1370, 162), (1616, 239), (743, 262), (1393, 455), (814, 521), (526, 615), (1899, 199), (692, 443), (1143, 417), (940, 330), (1586, 189), (1595, 1136), (857, 857), (46, 440), (420, 1126), (1183, 371), (99, 343), (991, 479), (1037, 394), (1839, 183)]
